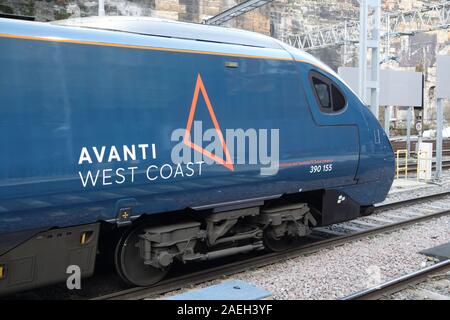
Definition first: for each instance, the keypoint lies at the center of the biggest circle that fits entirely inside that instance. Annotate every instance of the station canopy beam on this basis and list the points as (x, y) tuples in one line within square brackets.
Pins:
[(236, 11), (427, 18)]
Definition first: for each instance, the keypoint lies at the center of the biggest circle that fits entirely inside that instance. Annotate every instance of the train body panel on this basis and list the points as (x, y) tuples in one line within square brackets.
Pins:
[(91, 121)]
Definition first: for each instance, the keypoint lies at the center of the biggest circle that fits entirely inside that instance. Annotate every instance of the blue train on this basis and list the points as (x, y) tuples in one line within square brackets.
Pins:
[(155, 142)]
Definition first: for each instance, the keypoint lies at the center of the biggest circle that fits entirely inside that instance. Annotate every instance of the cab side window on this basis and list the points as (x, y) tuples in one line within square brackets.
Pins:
[(338, 98), (322, 93), (329, 98)]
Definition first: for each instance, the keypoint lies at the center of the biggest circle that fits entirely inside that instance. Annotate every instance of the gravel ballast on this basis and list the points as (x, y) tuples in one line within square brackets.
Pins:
[(336, 272), (397, 194)]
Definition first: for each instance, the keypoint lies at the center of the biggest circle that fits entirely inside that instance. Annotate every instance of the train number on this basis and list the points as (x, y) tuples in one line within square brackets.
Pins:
[(321, 168)]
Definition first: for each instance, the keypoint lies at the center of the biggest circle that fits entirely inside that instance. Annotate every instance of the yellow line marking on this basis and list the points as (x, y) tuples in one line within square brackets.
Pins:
[(106, 44)]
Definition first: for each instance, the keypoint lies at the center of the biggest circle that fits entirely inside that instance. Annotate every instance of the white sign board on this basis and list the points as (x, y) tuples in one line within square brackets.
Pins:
[(397, 88), (424, 161), (443, 77)]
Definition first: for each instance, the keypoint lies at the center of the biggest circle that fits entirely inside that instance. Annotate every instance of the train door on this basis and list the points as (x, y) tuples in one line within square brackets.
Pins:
[(335, 132)]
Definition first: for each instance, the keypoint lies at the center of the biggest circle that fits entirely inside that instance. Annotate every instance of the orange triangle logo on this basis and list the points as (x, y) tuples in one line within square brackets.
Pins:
[(200, 87)]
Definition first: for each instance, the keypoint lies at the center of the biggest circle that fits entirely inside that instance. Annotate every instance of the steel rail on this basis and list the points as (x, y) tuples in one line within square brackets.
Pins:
[(215, 272), (400, 283), (395, 204)]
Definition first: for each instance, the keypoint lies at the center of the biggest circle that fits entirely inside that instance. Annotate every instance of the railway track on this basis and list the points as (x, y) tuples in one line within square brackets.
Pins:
[(384, 219), (412, 164), (401, 144), (432, 282), (412, 161)]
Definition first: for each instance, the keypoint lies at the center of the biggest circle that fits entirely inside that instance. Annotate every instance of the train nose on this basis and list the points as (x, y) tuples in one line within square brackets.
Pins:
[(388, 171), (376, 153)]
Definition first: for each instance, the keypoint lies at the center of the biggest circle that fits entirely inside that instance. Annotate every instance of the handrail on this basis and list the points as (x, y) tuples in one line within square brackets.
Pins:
[(405, 167)]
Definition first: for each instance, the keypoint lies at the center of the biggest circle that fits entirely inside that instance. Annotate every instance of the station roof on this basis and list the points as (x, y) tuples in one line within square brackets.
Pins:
[(173, 29)]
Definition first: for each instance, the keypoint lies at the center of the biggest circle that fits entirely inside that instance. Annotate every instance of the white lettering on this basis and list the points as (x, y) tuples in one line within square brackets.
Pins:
[(90, 177), (84, 156), (106, 176), (101, 155), (161, 171), (148, 172), (132, 172), (129, 153), (113, 154), (179, 170), (143, 150), (119, 174)]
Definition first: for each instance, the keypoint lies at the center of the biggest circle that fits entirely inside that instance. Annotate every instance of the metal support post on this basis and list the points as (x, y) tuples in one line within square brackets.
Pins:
[(363, 16), (387, 35), (101, 7), (344, 56), (369, 39), (439, 128), (387, 119), (408, 130)]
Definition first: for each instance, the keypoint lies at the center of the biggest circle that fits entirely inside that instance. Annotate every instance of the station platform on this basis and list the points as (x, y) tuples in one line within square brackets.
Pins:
[(228, 290), (400, 185), (441, 252)]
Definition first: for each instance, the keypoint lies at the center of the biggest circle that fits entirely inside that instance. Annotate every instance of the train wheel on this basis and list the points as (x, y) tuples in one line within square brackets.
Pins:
[(367, 210), (275, 244), (130, 265)]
